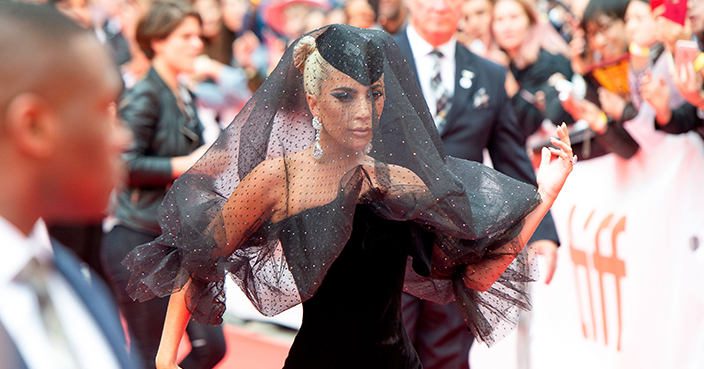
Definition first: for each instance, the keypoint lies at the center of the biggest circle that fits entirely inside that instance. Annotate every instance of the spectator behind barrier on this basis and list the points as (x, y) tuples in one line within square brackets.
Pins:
[(537, 57), (599, 52), (474, 27), (686, 77)]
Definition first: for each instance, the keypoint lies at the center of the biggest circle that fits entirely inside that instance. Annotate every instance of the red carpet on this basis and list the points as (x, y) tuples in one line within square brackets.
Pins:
[(247, 350)]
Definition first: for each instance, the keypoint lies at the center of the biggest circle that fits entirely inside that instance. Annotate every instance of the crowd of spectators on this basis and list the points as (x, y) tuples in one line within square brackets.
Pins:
[(543, 44)]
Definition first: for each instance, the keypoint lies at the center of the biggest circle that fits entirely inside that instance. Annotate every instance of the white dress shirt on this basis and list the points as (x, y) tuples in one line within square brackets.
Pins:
[(425, 63), (20, 313)]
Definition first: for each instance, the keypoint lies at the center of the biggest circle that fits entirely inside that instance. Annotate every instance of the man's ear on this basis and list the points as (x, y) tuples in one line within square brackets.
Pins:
[(31, 125), (313, 104)]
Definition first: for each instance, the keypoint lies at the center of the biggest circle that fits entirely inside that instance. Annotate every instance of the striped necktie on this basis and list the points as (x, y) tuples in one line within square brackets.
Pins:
[(34, 274), (442, 96)]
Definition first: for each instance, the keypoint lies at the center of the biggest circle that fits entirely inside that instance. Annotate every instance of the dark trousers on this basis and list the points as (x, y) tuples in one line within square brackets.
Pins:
[(438, 332), (145, 320)]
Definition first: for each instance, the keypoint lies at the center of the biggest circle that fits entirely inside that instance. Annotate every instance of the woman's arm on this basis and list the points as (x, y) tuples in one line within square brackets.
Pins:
[(551, 177), (180, 164), (177, 316), (253, 200)]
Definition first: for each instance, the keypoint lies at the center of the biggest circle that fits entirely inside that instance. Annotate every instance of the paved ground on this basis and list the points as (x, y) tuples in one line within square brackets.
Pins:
[(252, 345)]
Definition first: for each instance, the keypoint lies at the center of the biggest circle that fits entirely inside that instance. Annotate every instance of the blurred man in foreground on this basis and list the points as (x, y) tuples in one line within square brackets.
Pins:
[(59, 161)]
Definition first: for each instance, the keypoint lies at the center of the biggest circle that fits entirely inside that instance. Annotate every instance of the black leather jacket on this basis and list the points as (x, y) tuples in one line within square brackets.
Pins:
[(161, 131)]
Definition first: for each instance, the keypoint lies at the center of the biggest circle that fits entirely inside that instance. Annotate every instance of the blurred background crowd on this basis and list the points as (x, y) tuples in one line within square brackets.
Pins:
[(604, 48), (595, 64)]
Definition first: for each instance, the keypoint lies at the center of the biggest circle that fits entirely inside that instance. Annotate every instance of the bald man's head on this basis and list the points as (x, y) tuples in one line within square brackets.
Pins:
[(57, 84), (36, 48)]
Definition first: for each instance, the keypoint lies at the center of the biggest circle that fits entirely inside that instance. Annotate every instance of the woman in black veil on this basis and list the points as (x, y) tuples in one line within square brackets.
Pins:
[(331, 189)]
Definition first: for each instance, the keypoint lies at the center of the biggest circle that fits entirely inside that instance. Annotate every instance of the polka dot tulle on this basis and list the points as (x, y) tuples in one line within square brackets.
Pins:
[(261, 207)]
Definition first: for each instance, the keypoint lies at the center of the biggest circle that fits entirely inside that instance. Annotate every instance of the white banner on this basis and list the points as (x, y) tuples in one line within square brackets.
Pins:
[(629, 288)]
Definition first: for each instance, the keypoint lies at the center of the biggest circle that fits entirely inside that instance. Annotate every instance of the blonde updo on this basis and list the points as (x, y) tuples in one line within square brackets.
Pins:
[(308, 60)]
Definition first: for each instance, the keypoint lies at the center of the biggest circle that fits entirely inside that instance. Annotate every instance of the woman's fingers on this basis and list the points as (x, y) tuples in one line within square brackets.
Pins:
[(647, 78), (564, 147), (563, 134), (545, 157), (563, 139), (561, 145), (561, 153)]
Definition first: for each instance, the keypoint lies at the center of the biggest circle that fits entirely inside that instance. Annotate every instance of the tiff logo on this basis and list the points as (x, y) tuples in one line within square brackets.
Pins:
[(596, 262)]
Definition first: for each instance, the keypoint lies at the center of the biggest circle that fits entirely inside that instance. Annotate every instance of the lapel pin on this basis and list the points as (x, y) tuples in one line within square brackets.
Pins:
[(481, 98), (466, 79)]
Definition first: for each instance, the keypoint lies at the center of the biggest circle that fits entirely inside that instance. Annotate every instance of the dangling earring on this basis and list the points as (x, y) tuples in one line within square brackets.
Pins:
[(317, 150), (368, 148)]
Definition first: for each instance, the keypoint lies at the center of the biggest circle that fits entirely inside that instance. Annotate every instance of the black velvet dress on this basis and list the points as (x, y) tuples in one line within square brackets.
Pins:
[(354, 320)]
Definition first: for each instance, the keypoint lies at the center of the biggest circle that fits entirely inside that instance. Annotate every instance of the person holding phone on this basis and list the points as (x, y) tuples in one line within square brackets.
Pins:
[(604, 37), (687, 77), (688, 116), (683, 81)]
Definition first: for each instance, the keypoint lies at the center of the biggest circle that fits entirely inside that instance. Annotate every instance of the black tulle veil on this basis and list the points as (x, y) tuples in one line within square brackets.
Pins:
[(470, 208)]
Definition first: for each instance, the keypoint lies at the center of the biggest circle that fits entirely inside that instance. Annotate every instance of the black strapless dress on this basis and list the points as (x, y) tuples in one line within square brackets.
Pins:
[(354, 320)]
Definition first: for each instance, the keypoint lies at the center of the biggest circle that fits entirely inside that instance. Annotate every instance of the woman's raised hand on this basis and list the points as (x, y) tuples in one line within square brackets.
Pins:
[(657, 93), (553, 173), (689, 83)]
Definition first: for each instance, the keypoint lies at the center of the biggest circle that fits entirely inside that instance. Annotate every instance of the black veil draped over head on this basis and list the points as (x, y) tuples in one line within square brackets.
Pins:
[(282, 255)]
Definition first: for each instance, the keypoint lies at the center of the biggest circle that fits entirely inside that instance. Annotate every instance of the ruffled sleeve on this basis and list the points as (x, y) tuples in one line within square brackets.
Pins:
[(486, 214)]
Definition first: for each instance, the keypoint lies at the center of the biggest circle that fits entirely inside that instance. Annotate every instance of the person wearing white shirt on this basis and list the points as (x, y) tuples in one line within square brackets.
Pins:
[(20, 312), (59, 161), (477, 115)]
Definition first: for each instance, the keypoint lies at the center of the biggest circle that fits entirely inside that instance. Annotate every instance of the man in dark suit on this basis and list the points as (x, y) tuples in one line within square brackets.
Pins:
[(467, 97), (59, 160)]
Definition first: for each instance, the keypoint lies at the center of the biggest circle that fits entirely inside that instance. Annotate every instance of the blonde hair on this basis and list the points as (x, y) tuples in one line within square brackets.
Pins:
[(308, 60)]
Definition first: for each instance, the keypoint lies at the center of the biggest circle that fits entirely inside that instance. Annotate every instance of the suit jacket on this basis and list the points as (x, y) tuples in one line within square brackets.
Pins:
[(475, 123), (97, 299)]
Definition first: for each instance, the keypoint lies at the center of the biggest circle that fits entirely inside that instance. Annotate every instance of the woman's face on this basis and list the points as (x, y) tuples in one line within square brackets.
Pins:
[(510, 25), (211, 15), (180, 49), (607, 36), (695, 12), (640, 24), (233, 14), (360, 14), (476, 18), (346, 107)]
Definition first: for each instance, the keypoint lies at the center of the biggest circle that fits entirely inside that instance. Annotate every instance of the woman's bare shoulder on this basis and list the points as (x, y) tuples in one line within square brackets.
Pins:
[(268, 173)]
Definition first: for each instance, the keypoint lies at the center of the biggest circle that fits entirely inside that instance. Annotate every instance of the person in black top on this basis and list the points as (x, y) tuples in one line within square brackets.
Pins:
[(167, 139), (601, 44), (537, 57), (480, 118)]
